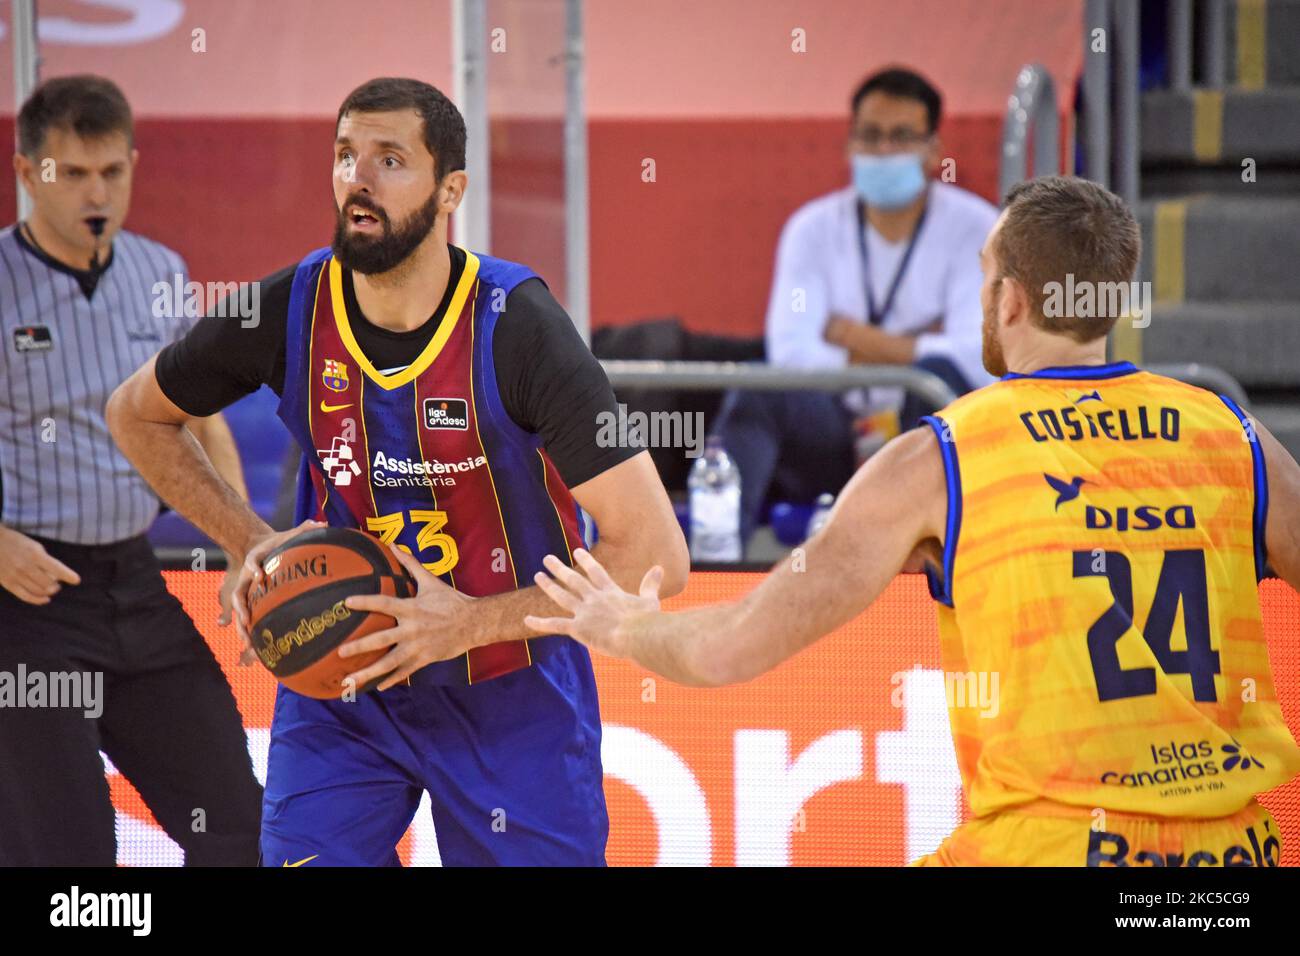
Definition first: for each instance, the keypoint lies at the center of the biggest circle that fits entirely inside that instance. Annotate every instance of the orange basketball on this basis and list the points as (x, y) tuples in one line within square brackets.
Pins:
[(297, 616)]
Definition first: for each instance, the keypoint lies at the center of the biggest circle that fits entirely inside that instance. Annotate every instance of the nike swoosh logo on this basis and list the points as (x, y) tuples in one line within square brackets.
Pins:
[(333, 408), (300, 862)]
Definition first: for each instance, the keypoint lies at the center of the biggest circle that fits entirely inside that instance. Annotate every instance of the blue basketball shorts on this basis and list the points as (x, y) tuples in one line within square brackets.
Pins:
[(512, 767)]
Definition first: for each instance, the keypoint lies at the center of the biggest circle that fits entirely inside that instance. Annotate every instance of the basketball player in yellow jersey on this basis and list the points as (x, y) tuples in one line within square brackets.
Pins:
[(1093, 535)]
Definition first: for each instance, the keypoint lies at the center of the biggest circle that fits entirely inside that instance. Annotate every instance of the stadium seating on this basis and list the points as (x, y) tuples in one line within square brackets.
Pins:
[(1219, 250)]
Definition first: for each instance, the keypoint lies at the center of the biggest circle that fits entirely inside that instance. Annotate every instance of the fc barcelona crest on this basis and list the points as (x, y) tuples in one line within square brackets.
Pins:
[(335, 376)]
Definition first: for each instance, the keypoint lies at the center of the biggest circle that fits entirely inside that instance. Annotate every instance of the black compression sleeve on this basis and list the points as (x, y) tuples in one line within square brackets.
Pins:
[(220, 361), (552, 385)]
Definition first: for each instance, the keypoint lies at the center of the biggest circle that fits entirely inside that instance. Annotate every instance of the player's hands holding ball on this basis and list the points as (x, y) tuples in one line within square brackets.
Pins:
[(432, 626), (602, 611), (240, 577)]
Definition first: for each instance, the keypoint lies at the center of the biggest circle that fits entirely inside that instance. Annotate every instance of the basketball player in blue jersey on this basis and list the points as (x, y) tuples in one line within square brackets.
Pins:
[(444, 403)]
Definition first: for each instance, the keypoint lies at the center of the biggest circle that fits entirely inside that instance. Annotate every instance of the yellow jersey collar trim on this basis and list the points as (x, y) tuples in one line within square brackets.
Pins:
[(413, 371)]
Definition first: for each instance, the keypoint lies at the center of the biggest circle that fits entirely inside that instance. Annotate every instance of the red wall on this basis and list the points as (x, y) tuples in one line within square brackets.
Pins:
[(235, 141), (701, 240), (241, 198)]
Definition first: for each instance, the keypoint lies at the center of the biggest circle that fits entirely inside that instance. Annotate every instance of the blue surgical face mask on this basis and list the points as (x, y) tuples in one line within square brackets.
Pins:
[(888, 182)]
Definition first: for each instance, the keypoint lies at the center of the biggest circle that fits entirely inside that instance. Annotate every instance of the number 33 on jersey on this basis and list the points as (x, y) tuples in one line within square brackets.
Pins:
[(426, 457)]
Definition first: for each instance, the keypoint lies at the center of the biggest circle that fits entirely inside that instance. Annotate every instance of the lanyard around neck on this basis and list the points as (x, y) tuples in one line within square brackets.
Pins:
[(876, 316)]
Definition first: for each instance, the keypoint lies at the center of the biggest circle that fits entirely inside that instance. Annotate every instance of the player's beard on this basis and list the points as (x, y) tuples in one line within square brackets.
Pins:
[(371, 255), (995, 363)]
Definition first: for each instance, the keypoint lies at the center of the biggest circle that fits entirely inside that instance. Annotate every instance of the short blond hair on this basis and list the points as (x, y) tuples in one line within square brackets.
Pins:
[(1057, 226)]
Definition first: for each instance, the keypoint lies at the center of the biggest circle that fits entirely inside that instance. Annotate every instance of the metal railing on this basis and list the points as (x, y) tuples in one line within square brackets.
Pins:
[(1031, 120), (1111, 38), (748, 375), (1179, 44), (577, 193), (469, 55), (694, 376), (1182, 48), (1214, 28), (1206, 376), (27, 63)]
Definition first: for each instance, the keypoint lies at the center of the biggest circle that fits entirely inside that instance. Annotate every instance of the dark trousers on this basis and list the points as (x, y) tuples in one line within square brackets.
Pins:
[(796, 445), (167, 720)]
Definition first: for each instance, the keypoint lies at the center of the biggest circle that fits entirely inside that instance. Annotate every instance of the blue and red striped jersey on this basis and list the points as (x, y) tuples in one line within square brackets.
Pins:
[(426, 457)]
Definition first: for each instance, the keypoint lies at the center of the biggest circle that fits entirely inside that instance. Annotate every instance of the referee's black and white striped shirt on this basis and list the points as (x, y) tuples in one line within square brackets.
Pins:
[(61, 476)]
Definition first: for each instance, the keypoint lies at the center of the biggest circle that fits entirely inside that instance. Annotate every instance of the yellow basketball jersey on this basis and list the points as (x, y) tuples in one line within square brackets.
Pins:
[(1098, 610)]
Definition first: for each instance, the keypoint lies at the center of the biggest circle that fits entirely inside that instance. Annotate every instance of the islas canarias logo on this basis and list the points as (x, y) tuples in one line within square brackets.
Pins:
[(1183, 762), (1238, 758)]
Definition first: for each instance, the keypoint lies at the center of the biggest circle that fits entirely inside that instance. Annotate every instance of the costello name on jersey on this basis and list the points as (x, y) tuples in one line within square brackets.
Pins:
[(1124, 424)]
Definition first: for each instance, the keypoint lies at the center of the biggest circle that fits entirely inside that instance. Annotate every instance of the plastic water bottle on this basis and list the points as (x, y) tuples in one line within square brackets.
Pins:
[(714, 485), (821, 514)]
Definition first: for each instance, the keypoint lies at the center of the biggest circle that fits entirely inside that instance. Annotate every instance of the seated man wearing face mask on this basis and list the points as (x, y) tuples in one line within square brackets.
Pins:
[(885, 271)]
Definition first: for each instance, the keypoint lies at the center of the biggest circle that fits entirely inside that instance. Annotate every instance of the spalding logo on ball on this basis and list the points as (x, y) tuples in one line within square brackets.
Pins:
[(297, 616)]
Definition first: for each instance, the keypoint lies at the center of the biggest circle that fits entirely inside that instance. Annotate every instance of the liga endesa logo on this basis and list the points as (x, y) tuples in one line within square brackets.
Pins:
[(446, 413), (273, 648)]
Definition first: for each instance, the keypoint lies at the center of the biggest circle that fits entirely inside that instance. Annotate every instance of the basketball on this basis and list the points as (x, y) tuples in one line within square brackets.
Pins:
[(297, 618)]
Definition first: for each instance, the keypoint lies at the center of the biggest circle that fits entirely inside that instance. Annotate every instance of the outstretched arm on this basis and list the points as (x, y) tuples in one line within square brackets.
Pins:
[(637, 530), (894, 503)]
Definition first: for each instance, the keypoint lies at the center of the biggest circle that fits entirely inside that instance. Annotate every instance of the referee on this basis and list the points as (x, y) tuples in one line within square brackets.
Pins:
[(83, 606)]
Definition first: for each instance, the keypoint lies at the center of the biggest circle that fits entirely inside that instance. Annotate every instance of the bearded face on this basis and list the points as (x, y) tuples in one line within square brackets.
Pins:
[(366, 241), (995, 362)]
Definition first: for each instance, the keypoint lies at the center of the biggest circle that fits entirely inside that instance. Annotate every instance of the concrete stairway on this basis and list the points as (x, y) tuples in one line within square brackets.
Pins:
[(1221, 216)]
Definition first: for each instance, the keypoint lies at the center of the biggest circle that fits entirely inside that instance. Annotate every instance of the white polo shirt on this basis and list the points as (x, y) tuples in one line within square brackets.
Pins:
[(819, 272)]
